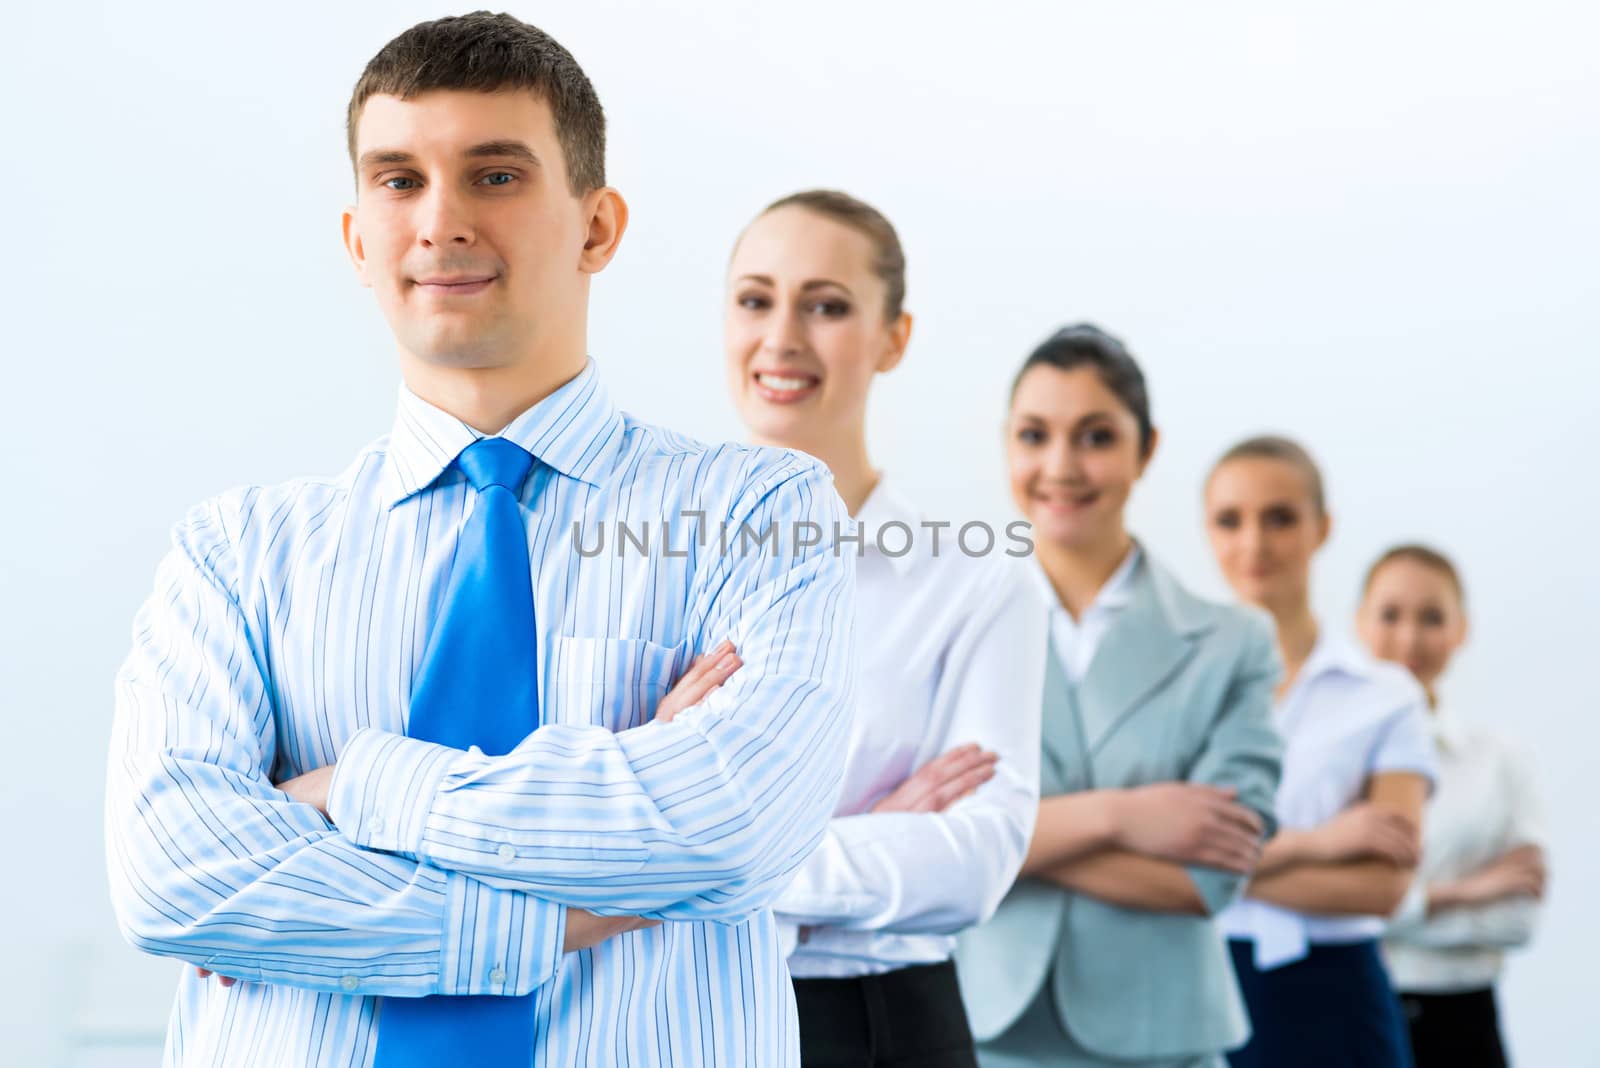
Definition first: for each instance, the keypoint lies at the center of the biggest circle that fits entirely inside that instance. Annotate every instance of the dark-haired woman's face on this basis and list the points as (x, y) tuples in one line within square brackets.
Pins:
[(1073, 452), (1412, 615), (1264, 529)]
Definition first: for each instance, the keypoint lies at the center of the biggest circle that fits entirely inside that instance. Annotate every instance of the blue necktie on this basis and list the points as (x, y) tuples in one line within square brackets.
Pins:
[(478, 686)]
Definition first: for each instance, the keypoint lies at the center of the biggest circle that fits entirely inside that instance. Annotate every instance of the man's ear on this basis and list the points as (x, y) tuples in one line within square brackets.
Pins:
[(899, 338), (352, 245), (608, 218)]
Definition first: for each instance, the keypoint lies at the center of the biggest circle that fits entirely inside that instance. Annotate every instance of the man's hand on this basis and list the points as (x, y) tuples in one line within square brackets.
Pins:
[(311, 788), (1368, 830), (706, 673), (1519, 872), (942, 782), (586, 930), (1188, 823)]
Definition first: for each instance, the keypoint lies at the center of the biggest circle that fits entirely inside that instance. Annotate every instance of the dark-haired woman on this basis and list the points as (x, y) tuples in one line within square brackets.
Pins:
[(1482, 875), (1357, 766), (941, 782), (1159, 762)]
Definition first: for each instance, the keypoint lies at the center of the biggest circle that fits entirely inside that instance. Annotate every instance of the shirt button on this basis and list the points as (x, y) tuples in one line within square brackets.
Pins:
[(498, 975), (375, 825), (349, 982), (507, 854)]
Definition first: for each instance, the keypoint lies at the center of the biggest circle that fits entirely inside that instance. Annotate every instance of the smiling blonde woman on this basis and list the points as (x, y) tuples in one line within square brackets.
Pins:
[(942, 778)]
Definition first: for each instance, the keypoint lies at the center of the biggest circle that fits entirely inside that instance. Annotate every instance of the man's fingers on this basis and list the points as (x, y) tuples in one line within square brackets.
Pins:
[(207, 973)]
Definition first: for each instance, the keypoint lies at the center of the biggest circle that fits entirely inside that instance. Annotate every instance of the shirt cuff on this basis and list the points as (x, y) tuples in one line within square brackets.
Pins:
[(383, 789), (498, 941), (1217, 888)]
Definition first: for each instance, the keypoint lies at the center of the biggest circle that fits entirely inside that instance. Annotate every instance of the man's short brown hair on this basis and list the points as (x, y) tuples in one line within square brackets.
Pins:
[(489, 53)]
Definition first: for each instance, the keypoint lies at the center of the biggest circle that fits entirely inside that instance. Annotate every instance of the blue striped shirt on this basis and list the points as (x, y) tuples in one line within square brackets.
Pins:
[(285, 631)]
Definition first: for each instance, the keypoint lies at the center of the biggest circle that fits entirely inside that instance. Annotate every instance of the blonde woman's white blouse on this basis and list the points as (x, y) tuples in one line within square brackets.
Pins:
[(951, 651), (1347, 717)]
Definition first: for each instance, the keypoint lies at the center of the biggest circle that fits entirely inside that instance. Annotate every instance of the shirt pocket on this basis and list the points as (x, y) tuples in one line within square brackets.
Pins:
[(607, 682)]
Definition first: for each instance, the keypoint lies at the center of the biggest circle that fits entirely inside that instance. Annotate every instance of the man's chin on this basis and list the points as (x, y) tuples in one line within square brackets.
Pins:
[(461, 353)]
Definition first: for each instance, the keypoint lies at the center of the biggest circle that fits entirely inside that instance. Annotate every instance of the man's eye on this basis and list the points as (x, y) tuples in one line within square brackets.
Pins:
[(498, 178), (389, 183)]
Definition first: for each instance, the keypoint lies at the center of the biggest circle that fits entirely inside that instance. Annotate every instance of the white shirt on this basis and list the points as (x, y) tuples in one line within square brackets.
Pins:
[(1075, 640), (952, 650), (1486, 803), (1347, 717)]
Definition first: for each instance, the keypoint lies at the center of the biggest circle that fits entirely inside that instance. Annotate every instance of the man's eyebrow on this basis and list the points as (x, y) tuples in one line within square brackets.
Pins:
[(487, 150), (503, 150), (383, 155)]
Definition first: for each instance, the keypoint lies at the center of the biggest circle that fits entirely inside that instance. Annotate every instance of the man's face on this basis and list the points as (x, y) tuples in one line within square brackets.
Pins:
[(465, 228)]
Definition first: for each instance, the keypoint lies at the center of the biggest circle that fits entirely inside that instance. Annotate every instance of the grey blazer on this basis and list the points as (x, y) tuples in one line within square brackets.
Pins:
[(1179, 689)]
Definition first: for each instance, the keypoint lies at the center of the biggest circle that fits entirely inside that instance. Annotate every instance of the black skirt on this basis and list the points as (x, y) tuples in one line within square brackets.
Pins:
[(1334, 1008), (1454, 1030), (910, 1016)]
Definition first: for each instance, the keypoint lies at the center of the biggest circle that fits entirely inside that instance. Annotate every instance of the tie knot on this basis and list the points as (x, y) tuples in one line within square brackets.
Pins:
[(495, 462)]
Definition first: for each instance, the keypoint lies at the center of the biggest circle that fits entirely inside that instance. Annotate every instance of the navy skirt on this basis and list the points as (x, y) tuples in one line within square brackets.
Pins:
[(1333, 1009)]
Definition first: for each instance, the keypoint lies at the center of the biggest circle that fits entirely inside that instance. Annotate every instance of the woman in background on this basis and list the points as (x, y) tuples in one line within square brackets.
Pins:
[(1357, 767), (1159, 758), (941, 784), (1477, 891)]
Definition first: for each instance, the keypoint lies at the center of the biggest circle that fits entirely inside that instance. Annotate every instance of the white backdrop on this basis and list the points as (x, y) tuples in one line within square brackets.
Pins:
[(1372, 226)]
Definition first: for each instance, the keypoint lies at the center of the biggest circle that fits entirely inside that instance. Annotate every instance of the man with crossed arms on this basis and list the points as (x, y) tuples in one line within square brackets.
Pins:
[(394, 765)]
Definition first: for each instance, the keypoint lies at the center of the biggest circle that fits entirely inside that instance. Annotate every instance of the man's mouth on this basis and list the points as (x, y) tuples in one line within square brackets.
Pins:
[(455, 285)]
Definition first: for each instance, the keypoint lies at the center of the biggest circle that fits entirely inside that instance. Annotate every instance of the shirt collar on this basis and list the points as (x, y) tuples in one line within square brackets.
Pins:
[(882, 507), (1449, 732), (576, 431), (1116, 593), (1333, 652)]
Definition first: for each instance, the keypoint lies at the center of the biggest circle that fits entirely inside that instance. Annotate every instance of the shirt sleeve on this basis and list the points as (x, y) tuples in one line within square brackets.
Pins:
[(1404, 743), (938, 873), (705, 817), (1244, 751), (1506, 924), (211, 864)]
